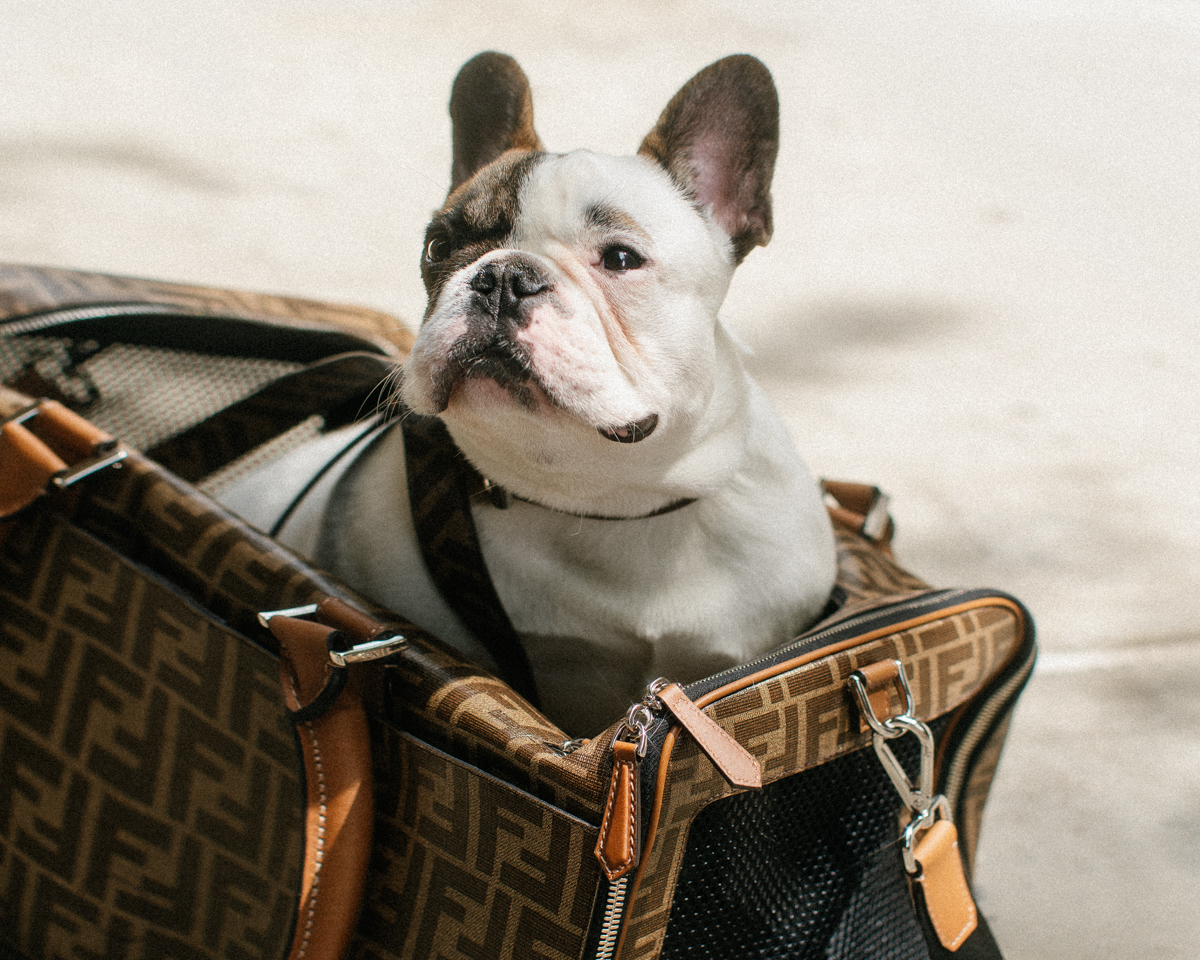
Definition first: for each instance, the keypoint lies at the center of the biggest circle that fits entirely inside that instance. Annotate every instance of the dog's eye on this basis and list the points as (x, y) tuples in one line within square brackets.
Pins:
[(620, 259), (437, 249)]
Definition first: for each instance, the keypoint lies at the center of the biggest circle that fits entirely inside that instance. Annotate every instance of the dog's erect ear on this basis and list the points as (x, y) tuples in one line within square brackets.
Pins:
[(718, 138), (491, 111)]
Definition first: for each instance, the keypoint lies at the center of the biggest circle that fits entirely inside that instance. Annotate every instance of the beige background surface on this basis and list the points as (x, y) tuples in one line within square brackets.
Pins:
[(982, 294)]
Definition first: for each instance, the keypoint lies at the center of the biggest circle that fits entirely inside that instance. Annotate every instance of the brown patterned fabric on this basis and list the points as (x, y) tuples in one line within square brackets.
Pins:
[(469, 866), (150, 803)]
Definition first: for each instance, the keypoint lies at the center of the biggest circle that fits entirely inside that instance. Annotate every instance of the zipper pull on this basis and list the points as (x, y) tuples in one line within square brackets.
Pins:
[(619, 847), (737, 764)]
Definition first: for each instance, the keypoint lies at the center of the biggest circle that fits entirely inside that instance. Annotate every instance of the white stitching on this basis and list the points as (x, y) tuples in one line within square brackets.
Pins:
[(320, 855)]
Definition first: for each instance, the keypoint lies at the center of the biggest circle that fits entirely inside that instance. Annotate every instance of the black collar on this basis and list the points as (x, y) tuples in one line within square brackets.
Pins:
[(500, 500)]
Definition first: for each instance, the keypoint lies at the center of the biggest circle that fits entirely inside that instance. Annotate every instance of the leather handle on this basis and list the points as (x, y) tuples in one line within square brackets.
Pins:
[(337, 768)]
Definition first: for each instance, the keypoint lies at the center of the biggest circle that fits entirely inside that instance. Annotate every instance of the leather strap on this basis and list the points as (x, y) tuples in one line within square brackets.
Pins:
[(337, 769), (737, 764), (947, 897), (440, 485)]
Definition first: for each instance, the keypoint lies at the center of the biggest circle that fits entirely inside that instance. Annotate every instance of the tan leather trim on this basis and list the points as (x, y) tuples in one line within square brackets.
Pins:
[(67, 433), (33, 451), (881, 680), (948, 899), (340, 817), (348, 619), (737, 764), (26, 466), (617, 846), (660, 788)]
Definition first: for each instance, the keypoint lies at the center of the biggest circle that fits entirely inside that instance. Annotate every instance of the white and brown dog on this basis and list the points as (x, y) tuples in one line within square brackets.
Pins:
[(573, 350)]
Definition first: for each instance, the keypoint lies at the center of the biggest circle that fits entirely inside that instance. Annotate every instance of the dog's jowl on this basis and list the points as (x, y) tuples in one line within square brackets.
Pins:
[(647, 514)]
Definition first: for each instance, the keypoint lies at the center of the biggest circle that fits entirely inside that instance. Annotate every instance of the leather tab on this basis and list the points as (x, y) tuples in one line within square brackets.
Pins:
[(26, 466), (338, 613), (619, 847), (737, 764), (948, 899), (337, 773), (881, 680), (66, 432)]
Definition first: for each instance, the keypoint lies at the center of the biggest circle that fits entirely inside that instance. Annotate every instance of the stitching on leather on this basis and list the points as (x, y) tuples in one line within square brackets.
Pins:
[(322, 808), (608, 821), (322, 804)]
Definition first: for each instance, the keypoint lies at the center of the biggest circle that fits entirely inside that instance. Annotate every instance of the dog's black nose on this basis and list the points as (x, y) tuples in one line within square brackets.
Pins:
[(504, 286)]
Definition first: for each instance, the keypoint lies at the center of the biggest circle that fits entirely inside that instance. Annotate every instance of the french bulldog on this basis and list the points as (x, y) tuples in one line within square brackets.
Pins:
[(660, 522)]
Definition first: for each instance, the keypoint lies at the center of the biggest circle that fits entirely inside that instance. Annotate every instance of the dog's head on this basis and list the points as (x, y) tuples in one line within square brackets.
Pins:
[(571, 341)]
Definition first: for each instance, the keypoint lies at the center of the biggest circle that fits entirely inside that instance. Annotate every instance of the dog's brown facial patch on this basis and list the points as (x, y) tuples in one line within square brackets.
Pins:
[(477, 217)]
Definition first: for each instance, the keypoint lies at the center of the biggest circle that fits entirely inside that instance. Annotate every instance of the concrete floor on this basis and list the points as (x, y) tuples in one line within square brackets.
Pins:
[(982, 294)]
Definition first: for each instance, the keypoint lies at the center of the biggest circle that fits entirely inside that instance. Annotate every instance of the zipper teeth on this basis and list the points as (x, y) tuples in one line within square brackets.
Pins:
[(853, 623), (981, 724), (612, 919), (54, 318)]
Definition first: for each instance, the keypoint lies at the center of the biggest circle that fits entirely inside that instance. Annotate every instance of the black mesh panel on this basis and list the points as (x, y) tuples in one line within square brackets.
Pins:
[(809, 867)]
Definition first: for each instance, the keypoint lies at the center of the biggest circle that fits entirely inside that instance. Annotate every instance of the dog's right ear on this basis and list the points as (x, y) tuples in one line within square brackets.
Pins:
[(491, 111)]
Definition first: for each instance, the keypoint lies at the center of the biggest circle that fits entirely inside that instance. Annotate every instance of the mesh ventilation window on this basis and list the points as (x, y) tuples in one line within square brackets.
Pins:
[(809, 867)]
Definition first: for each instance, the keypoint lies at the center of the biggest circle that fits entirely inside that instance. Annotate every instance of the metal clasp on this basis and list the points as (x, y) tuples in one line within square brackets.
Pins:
[(924, 805), (107, 455), (371, 650), (641, 716), (378, 648)]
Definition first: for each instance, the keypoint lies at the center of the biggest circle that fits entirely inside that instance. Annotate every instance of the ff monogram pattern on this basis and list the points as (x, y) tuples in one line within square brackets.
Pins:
[(149, 800), (468, 866)]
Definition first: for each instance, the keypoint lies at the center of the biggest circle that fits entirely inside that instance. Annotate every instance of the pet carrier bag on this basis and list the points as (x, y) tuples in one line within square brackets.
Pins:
[(209, 749)]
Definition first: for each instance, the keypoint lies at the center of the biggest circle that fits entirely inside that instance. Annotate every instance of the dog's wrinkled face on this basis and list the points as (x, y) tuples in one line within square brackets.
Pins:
[(581, 289), (573, 298)]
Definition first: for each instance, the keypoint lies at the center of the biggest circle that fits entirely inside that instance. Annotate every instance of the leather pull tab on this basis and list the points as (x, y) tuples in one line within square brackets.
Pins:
[(737, 764), (619, 846), (948, 899)]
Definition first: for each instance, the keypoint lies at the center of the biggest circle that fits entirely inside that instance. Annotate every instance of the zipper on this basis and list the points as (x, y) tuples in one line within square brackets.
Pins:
[(614, 910), (980, 727), (53, 318)]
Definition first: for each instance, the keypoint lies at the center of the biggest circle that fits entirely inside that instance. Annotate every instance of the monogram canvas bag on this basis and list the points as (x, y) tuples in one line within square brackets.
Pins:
[(209, 749)]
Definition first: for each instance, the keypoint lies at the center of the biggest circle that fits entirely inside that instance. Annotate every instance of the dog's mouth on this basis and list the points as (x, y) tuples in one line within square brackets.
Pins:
[(506, 364), (497, 360), (630, 432)]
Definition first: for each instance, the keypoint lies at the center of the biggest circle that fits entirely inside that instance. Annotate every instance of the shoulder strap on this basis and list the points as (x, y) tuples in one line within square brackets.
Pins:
[(340, 389), (440, 485)]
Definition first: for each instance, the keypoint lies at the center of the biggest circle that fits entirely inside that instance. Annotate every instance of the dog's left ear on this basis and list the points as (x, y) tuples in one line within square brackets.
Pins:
[(718, 138), (491, 111)]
